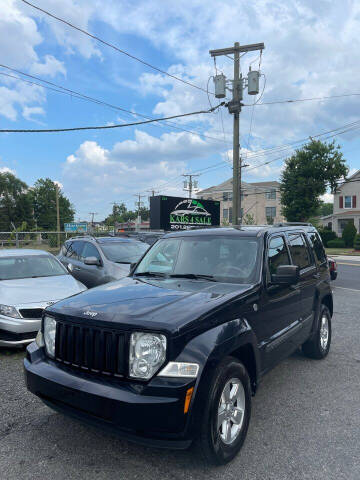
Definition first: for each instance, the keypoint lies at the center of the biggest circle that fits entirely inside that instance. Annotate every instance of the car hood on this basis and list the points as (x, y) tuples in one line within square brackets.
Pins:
[(169, 304), (36, 290)]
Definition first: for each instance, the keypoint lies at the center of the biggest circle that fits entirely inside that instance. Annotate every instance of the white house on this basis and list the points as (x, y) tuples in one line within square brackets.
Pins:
[(346, 206)]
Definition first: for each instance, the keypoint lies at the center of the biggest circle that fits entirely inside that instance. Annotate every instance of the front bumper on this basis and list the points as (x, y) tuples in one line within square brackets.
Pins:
[(148, 414), (16, 332)]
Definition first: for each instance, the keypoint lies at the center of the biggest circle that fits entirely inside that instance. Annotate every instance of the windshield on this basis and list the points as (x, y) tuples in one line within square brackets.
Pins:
[(124, 252), (225, 259), (30, 266)]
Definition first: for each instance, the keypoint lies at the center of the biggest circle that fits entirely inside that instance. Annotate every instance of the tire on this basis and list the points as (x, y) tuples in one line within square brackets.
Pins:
[(220, 445), (318, 345)]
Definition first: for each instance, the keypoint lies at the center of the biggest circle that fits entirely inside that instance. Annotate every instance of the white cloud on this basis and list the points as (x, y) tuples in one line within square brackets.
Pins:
[(7, 170), (327, 198), (99, 175), (51, 66), (29, 111), (21, 95)]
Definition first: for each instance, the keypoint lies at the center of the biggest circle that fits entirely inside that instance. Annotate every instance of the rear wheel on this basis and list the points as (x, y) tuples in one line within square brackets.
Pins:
[(227, 413), (318, 345)]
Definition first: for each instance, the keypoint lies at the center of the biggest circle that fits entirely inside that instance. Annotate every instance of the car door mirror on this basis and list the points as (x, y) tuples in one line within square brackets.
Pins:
[(286, 275), (70, 267), (92, 261)]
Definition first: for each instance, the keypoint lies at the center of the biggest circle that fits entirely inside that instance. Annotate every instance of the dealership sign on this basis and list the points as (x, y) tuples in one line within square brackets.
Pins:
[(75, 227), (174, 213)]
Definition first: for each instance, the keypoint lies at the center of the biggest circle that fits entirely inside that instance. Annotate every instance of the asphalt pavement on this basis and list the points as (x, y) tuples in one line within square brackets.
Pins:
[(305, 424), (348, 273)]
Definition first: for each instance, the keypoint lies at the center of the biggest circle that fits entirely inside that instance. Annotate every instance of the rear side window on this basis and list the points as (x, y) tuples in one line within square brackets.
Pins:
[(299, 250), (317, 247), (277, 254), (75, 249), (90, 250)]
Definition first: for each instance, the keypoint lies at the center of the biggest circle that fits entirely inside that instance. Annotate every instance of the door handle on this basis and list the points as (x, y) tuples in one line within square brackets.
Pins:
[(316, 275), (77, 268)]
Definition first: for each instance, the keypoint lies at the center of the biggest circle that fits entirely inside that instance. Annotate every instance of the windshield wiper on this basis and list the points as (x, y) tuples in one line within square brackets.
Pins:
[(195, 276), (150, 274), (125, 263)]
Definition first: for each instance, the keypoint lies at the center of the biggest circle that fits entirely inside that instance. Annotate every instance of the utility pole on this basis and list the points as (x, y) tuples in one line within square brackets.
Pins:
[(92, 219), (234, 107), (190, 184), (139, 204), (57, 214)]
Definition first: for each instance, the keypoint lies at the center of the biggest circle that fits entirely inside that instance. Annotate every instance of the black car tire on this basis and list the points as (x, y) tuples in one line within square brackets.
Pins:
[(210, 443), (314, 347)]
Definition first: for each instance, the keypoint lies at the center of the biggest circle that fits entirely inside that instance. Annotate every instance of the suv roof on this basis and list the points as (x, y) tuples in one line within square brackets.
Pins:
[(244, 230), (101, 240)]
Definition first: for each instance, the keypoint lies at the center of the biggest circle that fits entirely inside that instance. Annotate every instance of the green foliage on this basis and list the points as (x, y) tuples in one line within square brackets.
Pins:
[(348, 234), (15, 202), (270, 220), (306, 177), (249, 219), (357, 241), (120, 214), (325, 209), (44, 201), (326, 235), (336, 243)]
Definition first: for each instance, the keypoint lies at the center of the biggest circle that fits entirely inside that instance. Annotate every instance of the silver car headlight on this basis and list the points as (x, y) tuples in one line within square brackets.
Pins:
[(9, 311), (49, 335), (147, 354)]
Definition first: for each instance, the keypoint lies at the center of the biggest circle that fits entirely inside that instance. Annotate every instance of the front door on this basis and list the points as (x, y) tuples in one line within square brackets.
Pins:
[(280, 309)]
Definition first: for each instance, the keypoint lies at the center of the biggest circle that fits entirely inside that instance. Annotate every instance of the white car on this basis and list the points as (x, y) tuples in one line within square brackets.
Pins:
[(30, 280)]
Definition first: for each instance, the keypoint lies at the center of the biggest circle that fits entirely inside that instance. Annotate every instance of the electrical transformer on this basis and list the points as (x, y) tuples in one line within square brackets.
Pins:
[(253, 82), (220, 86)]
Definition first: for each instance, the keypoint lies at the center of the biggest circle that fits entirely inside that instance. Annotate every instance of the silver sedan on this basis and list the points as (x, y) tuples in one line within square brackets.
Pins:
[(30, 280)]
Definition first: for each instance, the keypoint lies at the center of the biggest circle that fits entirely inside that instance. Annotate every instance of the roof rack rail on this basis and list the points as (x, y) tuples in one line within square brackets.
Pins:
[(292, 224), (83, 236)]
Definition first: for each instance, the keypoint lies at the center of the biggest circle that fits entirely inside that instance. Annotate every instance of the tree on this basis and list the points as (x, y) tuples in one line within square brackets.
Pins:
[(44, 201), (120, 214), (325, 209), (348, 234), (15, 202), (307, 175), (249, 219), (357, 241)]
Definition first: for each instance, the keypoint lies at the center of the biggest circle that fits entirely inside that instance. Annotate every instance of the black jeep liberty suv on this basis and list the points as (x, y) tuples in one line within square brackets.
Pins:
[(173, 353)]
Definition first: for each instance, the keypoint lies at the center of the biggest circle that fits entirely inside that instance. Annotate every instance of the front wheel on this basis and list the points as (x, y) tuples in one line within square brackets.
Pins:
[(318, 345), (227, 413)]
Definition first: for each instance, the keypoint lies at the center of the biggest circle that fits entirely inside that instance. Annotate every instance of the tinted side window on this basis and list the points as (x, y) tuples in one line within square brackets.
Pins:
[(277, 254), (318, 248), (75, 249), (299, 250), (90, 250)]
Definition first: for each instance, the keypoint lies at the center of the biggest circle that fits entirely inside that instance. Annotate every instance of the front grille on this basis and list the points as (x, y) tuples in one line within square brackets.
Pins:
[(31, 312), (16, 337), (90, 348)]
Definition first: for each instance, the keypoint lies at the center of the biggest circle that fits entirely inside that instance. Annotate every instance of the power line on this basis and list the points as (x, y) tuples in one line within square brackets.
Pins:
[(124, 52), (81, 96), (105, 127), (306, 99)]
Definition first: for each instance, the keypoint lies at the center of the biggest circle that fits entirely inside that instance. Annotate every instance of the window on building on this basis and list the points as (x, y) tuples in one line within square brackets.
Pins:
[(299, 250), (277, 254), (227, 196), (348, 201), (270, 212), (230, 214), (225, 213), (271, 194)]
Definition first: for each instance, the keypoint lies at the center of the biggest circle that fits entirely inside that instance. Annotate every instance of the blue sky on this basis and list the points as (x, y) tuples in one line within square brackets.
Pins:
[(303, 58)]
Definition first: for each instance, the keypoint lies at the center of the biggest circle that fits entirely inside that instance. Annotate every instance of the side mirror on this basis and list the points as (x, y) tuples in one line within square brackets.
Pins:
[(92, 261), (286, 275), (70, 267)]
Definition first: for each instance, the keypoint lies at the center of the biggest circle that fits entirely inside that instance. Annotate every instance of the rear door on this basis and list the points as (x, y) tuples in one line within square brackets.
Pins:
[(73, 258), (302, 256)]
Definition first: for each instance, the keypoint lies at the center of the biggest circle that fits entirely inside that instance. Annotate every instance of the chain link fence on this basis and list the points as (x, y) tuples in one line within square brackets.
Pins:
[(49, 241)]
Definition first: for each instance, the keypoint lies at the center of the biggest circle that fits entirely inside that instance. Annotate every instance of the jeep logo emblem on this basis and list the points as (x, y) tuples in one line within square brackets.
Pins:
[(90, 314)]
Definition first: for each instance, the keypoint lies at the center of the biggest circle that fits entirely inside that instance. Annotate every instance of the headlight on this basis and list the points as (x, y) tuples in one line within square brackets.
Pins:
[(39, 339), (147, 354), (49, 335), (9, 311), (180, 370)]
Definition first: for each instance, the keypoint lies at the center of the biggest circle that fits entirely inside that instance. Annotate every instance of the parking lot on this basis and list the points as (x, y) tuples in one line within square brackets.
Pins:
[(305, 422)]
